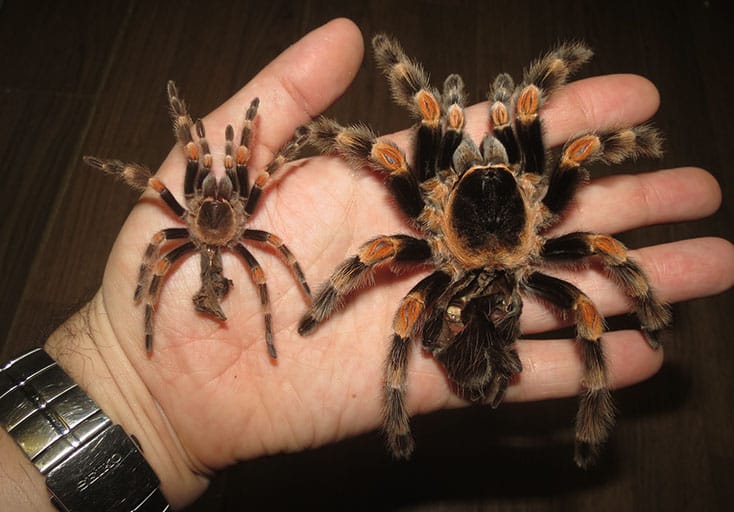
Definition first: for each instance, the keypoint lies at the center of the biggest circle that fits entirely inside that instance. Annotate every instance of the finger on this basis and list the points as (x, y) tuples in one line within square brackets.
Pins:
[(553, 368), (598, 104), (678, 271), (672, 195), (299, 84)]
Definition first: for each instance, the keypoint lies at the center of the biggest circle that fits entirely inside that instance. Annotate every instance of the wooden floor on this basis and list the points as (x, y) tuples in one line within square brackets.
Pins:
[(87, 77)]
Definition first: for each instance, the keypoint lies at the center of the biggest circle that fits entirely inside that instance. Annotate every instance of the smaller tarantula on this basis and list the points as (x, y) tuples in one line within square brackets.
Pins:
[(216, 215), (482, 213)]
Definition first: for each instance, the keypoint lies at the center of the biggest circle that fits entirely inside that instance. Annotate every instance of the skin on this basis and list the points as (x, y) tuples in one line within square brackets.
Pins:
[(209, 395)]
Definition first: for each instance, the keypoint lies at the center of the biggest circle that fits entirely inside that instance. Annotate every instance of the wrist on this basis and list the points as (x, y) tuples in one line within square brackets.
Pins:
[(22, 485), (86, 348)]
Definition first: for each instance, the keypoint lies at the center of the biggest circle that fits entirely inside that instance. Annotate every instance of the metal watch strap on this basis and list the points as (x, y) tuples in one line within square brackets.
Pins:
[(90, 463)]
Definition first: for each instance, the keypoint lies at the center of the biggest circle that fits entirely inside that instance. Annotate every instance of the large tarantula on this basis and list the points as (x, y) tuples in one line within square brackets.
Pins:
[(216, 215), (481, 213)]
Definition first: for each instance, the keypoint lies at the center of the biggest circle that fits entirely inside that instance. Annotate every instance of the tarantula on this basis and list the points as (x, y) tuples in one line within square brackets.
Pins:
[(481, 212), (216, 215)]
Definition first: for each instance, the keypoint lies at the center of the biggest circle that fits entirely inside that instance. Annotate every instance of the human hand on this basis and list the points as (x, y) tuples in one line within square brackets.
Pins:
[(210, 395)]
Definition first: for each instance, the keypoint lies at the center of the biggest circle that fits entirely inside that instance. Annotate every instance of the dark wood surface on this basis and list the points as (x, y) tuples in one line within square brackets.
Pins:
[(86, 77)]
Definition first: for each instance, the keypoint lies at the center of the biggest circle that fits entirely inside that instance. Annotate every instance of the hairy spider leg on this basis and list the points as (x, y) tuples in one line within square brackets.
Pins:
[(134, 175), (352, 272), (288, 152), (205, 156), (154, 288), (411, 89), (359, 146), (611, 148), (167, 197), (453, 101), (235, 159), (275, 242), (654, 315), (541, 79), (243, 149), (182, 125), (229, 162), (152, 254), (529, 131), (258, 276), (198, 154), (409, 316), (500, 94), (595, 416)]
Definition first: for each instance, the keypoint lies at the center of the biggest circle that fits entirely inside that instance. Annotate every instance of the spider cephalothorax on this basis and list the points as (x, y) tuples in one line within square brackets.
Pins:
[(482, 212), (216, 214)]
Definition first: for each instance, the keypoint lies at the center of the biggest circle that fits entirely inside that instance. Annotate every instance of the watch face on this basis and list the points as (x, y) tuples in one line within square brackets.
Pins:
[(108, 473)]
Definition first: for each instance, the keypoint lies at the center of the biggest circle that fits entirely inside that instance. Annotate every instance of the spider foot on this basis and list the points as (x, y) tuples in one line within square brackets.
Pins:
[(585, 454), (654, 337), (397, 428), (401, 445)]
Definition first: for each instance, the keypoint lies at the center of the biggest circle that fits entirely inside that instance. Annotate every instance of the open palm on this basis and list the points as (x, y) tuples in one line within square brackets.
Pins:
[(226, 399)]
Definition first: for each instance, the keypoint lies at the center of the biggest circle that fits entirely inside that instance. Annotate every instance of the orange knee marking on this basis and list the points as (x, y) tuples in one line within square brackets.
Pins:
[(528, 101), (162, 267), (591, 324), (156, 184), (192, 151), (242, 155), (610, 247), (261, 179), (428, 106), (499, 115), (583, 147), (407, 315), (207, 160), (389, 156), (274, 240), (158, 237), (379, 249), (455, 117), (258, 275)]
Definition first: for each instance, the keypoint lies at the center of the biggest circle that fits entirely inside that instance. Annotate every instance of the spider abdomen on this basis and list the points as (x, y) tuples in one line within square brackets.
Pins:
[(215, 222), (486, 212)]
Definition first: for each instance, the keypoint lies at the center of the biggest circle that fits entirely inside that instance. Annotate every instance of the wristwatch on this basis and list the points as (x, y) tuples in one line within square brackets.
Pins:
[(89, 462)]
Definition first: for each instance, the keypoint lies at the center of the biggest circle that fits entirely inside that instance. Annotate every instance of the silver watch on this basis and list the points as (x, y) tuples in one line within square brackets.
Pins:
[(90, 463)]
